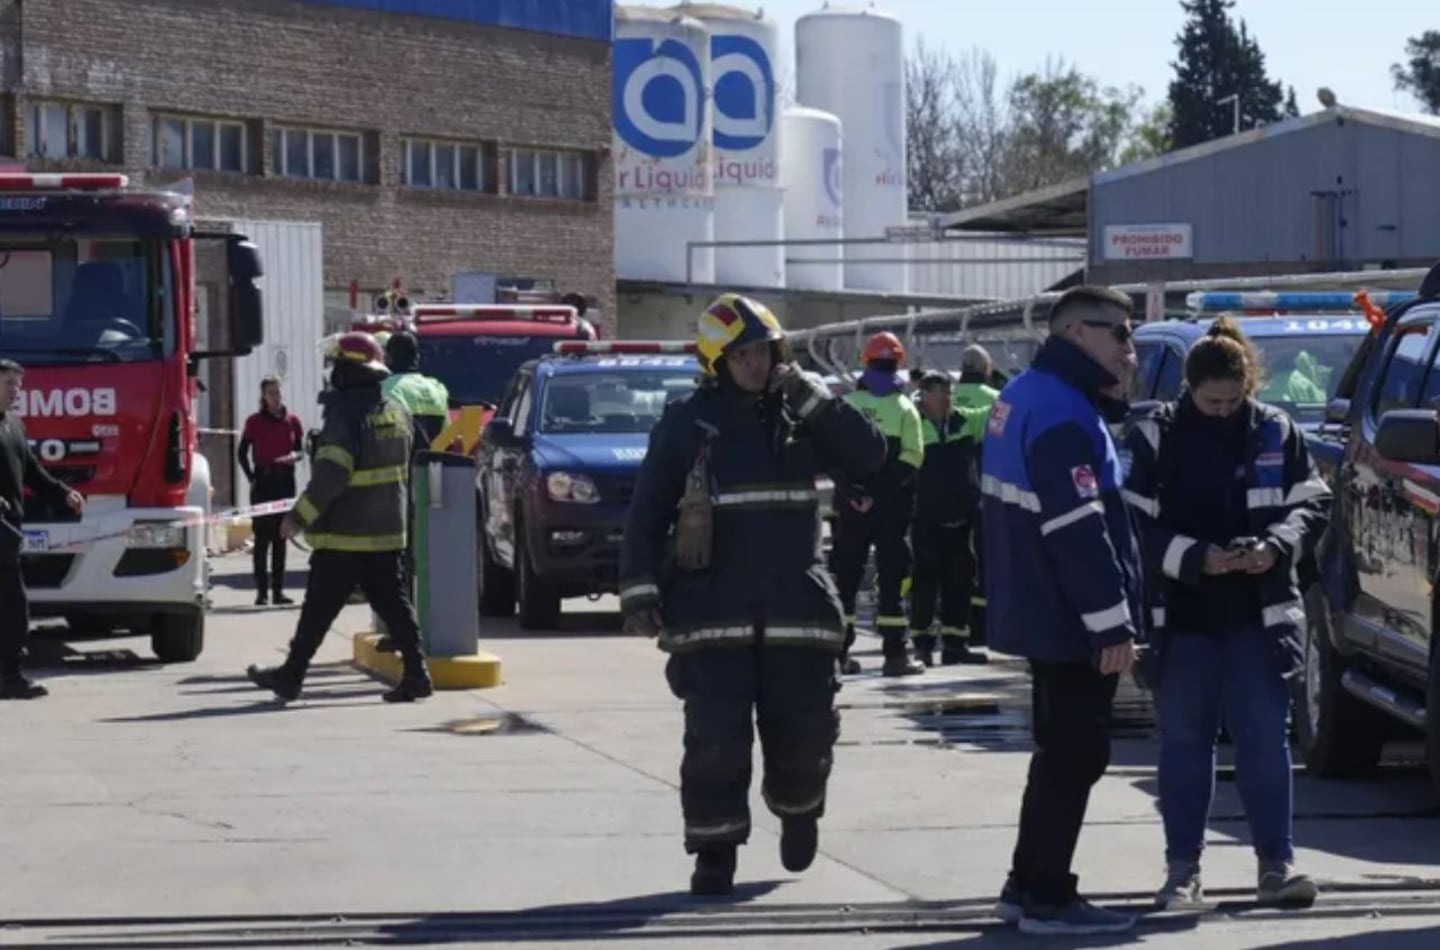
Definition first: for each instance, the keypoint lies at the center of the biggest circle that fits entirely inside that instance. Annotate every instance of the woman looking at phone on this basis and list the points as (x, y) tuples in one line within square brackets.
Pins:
[(1228, 504)]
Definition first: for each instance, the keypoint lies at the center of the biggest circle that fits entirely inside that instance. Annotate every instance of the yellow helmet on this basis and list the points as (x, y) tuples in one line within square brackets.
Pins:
[(730, 321)]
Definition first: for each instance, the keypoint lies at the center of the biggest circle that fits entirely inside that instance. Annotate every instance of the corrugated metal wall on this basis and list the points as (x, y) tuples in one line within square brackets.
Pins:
[(1340, 194), (291, 254), (994, 268)]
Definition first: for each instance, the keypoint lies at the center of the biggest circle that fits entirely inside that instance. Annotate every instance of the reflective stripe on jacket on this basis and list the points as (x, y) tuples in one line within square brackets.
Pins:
[(360, 474)]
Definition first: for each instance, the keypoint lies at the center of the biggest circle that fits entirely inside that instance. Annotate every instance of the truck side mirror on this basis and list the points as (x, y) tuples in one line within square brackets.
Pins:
[(247, 312), (1409, 435), (1337, 411), (499, 432)]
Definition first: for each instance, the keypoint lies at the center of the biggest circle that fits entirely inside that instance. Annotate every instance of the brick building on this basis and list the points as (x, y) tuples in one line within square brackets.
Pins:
[(428, 138)]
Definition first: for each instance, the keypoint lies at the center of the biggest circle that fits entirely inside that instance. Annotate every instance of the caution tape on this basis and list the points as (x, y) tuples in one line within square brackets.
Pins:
[(229, 514)]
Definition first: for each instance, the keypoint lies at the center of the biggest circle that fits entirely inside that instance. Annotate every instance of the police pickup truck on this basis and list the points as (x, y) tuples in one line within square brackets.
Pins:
[(557, 469), (1372, 671)]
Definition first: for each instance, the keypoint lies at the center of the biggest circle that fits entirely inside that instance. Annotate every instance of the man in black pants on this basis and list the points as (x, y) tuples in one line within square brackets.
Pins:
[(1063, 581), (19, 470)]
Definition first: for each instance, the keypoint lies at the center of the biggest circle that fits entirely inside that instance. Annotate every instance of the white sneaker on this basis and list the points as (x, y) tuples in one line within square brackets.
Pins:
[(1182, 886)]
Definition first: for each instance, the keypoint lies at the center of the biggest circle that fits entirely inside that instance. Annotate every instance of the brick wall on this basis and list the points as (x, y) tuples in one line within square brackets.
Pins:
[(272, 62)]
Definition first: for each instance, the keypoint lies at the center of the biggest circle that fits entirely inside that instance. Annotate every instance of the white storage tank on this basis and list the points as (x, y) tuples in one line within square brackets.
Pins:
[(813, 177), (850, 61), (664, 192), (749, 206)]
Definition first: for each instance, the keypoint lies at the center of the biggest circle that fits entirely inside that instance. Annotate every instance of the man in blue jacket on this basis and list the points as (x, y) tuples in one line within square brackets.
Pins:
[(1063, 582)]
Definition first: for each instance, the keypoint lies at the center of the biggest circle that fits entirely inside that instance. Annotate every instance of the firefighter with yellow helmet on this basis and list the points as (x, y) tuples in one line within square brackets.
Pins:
[(353, 515), (876, 511), (720, 564)]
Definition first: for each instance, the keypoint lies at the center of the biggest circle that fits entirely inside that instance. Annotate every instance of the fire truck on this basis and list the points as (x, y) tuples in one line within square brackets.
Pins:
[(98, 303), (475, 349)]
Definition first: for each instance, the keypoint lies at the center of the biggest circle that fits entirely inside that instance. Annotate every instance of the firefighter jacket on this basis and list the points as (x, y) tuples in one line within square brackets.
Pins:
[(427, 400), (898, 419), (765, 565), (360, 475), (1063, 570), (1287, 504), (947, 489)]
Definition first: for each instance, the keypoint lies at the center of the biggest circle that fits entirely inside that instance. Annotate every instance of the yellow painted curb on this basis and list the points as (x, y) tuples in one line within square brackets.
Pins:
[(480, 671)]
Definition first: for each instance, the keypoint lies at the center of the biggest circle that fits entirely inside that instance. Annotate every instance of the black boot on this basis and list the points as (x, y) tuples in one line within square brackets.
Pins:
[(280, 680), (954, 653), (924, 648), (714, 874), (280, 598), (415, 684), (261, 599), (897, 657), (14, 685), (799, 837), (386, 645)]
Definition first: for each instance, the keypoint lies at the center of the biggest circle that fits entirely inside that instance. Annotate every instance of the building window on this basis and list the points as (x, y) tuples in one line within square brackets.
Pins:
[(547, 173), (318, 154), (201, 144), (455, 166), (70, 130)]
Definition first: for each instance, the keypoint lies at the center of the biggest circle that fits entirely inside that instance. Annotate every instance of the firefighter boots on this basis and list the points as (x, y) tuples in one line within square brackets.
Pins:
[(16, 686), (412, 686), (280, 680), (714, 874), (799, 837), (924, 648)]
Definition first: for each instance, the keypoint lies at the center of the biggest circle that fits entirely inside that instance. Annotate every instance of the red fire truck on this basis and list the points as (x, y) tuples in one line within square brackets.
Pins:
[(97, 301)]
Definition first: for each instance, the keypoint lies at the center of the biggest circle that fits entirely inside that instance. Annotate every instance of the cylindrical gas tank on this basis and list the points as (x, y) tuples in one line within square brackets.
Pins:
[(813, 177)]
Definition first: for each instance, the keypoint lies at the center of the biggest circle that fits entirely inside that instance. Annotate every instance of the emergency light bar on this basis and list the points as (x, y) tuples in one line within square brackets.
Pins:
[(485, 311), (622, 347), (1291, 301), (12, 181)]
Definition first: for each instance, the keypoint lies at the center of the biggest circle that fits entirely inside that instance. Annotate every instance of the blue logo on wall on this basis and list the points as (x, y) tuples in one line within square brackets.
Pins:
[(744, 92), (834, 183), (659, 100)]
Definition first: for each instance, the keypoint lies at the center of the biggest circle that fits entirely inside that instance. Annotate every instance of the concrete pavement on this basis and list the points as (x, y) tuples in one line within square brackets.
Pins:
[(149, 805)]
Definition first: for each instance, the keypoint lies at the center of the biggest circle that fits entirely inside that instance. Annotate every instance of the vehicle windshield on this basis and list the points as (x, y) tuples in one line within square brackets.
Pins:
[(83, 300), (1302, 371), (476, 369), (629, 402)]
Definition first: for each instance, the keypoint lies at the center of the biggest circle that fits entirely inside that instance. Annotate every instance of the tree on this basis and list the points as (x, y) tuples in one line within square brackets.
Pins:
[(1292, 108), (1064, 126), (933, 159), (1218, 60), (1421, 75), (1149, 137)]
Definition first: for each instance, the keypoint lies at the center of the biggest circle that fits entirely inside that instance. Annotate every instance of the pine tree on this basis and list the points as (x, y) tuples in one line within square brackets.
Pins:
[(1421, 75), (1218, 59)]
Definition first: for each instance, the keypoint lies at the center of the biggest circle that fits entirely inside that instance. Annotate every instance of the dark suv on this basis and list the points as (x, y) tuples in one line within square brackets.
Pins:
[(557, 469), (1372, 671)]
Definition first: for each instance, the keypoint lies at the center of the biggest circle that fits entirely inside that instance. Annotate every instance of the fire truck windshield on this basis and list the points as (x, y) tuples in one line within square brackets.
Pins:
[(84, 300), (476, 369)]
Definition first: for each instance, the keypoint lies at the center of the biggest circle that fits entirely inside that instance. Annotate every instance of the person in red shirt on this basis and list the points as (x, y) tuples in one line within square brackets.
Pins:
[(273, 436)]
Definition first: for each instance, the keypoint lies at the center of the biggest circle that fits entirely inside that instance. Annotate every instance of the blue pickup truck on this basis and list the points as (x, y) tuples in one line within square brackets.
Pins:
[(557, 469)]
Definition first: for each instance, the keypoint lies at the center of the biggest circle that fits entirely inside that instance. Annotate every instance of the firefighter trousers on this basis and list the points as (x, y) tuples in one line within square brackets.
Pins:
[(976, 586), (789, 694), (882, 527), (381, 577), (944, 568)]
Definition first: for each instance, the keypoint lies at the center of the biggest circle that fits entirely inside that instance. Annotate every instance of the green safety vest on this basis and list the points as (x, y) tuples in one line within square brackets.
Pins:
[(420, 394), (975, 395), (897, 418)]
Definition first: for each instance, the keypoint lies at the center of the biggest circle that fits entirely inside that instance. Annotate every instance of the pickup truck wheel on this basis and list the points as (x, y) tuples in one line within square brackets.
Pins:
[(1339, 736), (539, 600), (178, 638), (497, 582)]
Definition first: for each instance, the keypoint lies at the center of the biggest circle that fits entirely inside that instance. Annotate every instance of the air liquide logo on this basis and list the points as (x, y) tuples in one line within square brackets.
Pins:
[(659, 100), (744, 106), (894, 106), (831, 174)]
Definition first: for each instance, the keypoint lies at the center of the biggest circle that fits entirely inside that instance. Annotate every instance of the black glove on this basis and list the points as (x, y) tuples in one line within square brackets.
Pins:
[(643, 623), (804, 393)]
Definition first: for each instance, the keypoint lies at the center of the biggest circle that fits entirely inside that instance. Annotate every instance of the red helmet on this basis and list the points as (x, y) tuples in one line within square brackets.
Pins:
[(884, 346), (361, 349)]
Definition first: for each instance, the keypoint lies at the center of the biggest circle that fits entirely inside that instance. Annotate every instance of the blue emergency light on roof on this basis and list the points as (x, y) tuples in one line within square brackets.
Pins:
[(623, 347), (1290, 301), (14, 181)]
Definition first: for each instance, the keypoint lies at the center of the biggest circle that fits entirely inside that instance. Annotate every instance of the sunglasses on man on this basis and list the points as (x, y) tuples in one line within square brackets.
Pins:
[(1122, 332)]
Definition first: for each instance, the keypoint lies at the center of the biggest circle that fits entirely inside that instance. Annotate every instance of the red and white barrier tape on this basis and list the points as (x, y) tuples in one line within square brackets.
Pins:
[(229, 514)]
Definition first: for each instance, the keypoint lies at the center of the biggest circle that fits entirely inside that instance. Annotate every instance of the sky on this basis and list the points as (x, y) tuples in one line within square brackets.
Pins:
[(1346, 45)]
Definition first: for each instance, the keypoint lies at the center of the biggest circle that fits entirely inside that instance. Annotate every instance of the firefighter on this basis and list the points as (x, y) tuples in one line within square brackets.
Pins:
[(353, 515), (425, 396), (720, 563), (876, 511), (947, 501), (976, 390)]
